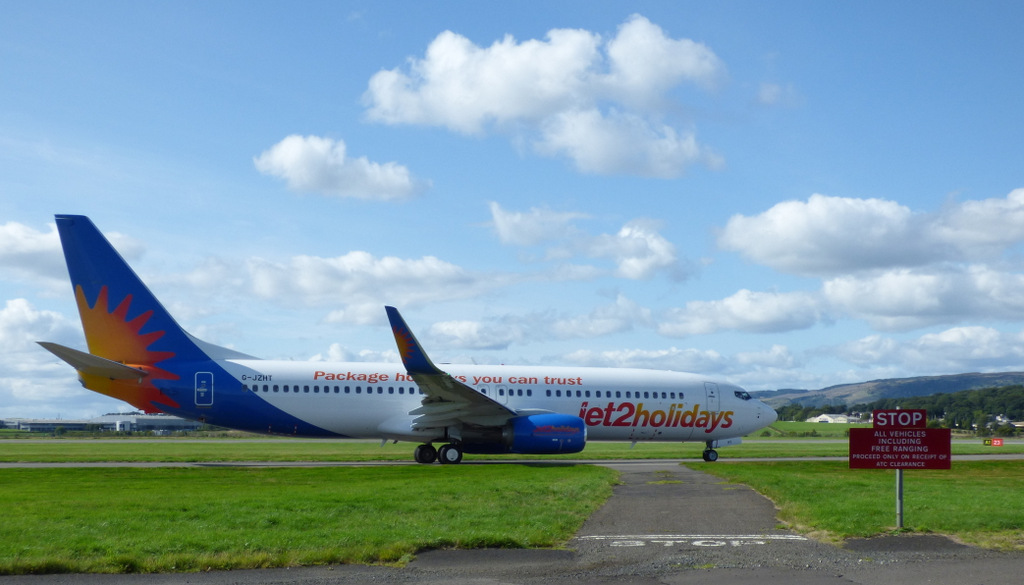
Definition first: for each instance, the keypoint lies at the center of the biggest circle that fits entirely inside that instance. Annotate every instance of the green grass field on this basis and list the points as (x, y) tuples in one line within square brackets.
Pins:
[(186, 519), (213, 450), (173, 519), (976, 502)]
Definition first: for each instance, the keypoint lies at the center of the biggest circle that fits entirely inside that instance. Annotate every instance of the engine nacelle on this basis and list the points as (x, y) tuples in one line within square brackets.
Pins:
[(546, 434)]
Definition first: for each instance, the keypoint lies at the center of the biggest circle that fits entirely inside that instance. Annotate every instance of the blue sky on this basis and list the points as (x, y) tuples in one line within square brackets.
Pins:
[(785, 195)]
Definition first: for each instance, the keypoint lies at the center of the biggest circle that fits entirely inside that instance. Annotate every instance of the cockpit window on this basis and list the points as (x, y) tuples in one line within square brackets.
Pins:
[(742, 395)]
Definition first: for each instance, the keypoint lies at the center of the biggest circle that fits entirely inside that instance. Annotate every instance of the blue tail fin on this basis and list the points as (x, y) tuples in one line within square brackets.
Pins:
[(124, 322)]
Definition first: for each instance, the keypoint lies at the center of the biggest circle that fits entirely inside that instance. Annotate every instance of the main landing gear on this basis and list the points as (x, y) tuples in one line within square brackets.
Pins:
[(450, 453), (710, 455)]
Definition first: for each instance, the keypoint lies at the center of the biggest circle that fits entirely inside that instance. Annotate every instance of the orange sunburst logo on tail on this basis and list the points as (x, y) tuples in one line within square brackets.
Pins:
[(112, 336), (404, 341)]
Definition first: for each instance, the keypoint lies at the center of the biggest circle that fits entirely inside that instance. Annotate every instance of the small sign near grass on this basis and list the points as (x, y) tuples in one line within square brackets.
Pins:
[(899, 439)]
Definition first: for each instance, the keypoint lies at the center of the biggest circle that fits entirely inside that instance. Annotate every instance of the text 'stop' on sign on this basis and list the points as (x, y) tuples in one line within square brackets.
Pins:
[(900, 419)]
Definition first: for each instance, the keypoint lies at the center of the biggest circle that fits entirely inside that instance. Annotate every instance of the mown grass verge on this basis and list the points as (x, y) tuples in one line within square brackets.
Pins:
[(275, 450), (976, 502), (172, 519)]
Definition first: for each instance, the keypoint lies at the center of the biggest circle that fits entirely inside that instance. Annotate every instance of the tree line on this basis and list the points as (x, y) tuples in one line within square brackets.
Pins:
[(984, 410)]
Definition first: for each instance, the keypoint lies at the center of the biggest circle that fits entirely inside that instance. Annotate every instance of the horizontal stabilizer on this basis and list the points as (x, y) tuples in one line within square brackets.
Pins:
[(92, 365)]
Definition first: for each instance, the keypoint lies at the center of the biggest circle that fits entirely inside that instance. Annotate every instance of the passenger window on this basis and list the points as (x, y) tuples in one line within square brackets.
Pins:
[(529, 392), (548, 392), (391, 389), (558, 393), (305, 389)]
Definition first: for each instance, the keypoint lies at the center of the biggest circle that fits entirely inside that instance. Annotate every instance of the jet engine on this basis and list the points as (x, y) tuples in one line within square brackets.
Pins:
[(535, 434)]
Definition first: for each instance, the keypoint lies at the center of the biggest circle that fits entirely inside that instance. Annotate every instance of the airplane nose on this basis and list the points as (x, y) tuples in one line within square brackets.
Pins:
[(770, 415)]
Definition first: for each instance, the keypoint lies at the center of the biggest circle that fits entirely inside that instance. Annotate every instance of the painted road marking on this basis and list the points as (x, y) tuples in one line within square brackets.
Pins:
[(702, 540)]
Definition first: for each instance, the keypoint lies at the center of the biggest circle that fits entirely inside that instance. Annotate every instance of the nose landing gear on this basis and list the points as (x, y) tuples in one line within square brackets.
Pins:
[(710, 455)]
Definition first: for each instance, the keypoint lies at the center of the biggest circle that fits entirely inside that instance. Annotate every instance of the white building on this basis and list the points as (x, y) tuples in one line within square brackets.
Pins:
[(830, 418)]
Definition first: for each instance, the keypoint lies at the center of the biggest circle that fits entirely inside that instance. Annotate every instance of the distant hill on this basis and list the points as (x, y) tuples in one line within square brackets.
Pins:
[(850, 394)]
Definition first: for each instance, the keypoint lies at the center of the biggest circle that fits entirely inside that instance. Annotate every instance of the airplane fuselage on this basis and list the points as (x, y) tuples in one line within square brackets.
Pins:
[(374, 400), (139, 354)]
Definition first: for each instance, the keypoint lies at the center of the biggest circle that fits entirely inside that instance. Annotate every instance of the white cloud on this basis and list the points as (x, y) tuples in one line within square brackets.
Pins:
[(872, 350), (312, 163), (959, 349), (31, 253), (684, 360), (474, 335), (619, 143), (644, 63), (907, 299), (337, 353), (775, 94), (894, 268), (622, 315), (776, 357), (983, 228), (753, 312), (598, 103), (30, 377), (533, 227), (21, 325), (462, 86), (359, 283), (637, 250), (826, 236)]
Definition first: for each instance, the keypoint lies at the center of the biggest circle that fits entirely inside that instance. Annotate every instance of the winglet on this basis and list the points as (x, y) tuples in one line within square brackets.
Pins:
[(413, 356)]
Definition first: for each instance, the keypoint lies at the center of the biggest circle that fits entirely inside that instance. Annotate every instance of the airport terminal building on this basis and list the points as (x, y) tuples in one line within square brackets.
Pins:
[(128, 422)]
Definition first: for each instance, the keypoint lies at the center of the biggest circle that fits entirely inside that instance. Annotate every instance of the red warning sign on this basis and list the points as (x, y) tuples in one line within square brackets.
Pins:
[(899, 440)]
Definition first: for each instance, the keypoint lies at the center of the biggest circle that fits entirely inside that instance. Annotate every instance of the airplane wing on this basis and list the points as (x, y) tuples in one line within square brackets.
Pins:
[(447, 401), (87, 363)]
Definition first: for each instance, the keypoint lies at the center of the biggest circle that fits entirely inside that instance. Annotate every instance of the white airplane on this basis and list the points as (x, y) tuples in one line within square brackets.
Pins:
[(139, 354)]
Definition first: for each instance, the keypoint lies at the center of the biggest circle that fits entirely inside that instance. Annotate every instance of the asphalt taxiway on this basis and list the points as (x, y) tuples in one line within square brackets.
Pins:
[(664, 524)]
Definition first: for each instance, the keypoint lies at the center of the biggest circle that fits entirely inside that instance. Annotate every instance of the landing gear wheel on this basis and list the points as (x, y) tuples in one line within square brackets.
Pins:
[(425, 454), (449, 454), (710, 455)]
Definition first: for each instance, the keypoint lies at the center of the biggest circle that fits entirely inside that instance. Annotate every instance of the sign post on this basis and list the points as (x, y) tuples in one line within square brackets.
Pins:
[(899, 439)]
